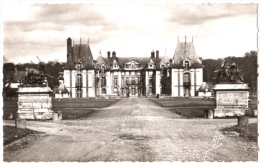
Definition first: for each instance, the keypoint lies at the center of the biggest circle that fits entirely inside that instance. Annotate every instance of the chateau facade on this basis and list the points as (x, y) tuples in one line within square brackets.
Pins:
[(132, 76)]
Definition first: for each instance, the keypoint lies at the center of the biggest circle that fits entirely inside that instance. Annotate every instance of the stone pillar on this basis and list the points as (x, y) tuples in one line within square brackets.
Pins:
[(242, 120), (20, 123), (210, 114)]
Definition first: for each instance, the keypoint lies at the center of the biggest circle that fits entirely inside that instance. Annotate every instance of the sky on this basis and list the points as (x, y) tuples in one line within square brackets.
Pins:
[(129, 28)]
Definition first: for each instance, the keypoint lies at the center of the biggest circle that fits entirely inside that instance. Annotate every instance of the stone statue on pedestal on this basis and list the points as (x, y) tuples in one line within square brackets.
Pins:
[(228, 74), (35, 77)]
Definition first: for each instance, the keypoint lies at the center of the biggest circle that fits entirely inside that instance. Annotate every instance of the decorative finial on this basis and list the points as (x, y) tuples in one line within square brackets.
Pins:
[(192, 38), (178, 38), (88, 40)]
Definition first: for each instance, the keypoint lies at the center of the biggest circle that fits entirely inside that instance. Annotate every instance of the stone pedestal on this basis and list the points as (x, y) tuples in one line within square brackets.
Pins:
[(34, 103), (231, 99), (242, 120), (20, 123)]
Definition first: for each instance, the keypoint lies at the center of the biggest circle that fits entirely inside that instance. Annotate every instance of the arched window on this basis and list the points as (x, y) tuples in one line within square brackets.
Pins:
[(103, 69)]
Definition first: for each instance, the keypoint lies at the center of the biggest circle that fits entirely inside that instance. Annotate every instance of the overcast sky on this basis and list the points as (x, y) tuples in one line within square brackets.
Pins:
[(129, 28)]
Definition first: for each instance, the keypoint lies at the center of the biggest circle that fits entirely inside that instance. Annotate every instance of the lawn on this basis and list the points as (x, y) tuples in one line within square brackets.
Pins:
[(250, 131), (187, 107), (70, 108), (11, 133), (193, 107)]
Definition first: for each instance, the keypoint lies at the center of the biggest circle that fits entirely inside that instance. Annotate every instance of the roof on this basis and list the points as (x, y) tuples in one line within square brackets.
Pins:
[(186, 50), (165, 59), (122, 60), (203, 87), (83, 52), (61, 88)]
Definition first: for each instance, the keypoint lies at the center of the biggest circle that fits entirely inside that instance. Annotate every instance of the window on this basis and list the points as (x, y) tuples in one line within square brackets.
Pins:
[(186, 65), (122, 81), (132, 91), (78, 93), (138, 80), (115, 81), (102, 69), (133, 81), (150, 82), (78, 81), (78, 67), (103, 82), (162, 70), (103, 90), (127, 81), (186, 78)]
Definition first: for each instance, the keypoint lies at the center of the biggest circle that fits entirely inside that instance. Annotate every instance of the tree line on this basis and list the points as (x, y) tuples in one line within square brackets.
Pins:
[(52, 68), (248, 64)]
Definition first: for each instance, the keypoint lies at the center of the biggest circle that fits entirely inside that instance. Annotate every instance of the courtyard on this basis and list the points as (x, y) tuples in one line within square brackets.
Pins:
[(133, 129)]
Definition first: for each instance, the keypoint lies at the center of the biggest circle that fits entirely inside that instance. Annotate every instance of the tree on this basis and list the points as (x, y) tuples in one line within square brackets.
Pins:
[(250, 67)]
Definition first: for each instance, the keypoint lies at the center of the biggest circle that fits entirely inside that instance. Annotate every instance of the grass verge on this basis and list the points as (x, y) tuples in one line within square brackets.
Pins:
[(193, 107), (70, 108), (11, 134), (249, 132)]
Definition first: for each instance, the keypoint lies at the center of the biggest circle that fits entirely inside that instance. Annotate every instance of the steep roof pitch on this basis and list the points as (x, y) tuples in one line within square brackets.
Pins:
[(203, 87), (186, 50), (83, 52), (61, 88)]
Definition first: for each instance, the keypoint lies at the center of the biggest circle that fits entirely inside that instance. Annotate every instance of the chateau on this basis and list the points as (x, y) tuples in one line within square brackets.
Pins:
[(132, 76)]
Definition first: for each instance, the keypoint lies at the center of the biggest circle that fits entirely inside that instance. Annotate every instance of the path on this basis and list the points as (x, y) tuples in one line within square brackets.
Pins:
[(135, 130)]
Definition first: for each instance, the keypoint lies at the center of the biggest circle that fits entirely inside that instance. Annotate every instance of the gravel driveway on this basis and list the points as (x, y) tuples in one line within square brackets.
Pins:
[(134, 129)]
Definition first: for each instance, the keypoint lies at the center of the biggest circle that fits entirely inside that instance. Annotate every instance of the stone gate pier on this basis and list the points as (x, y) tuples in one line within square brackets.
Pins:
[(231, 99), (34, 103)]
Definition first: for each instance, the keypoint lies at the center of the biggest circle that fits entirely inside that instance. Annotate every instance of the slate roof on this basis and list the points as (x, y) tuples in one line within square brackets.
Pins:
[(122, 60), (80, 51), (165, 59), (205, 86), (62, 88), (186, 50)]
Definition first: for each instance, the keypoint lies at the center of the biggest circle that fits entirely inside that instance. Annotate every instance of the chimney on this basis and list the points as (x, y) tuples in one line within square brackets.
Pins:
[(68, 46), (157, 59), (113, 54), (152, 54), (108, 54)]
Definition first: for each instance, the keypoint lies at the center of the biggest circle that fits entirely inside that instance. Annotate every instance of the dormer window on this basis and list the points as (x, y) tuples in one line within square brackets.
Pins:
[(103, 69), (186, 65), (78, 67)]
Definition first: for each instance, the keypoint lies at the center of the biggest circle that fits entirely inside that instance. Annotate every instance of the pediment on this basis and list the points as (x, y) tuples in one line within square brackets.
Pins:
[(115, 64)]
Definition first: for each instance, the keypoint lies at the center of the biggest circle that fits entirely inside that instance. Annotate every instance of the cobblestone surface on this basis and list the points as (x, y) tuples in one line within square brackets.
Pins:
[(134, 130)]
